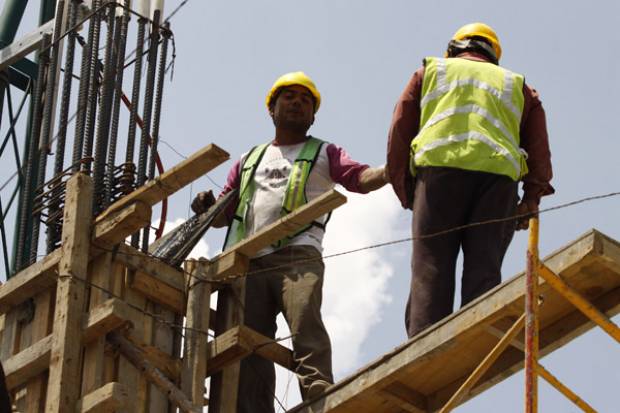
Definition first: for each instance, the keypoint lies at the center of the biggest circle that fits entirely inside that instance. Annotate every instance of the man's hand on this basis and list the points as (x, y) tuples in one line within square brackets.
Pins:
[(526, 207), (373, 178), (203, 201)]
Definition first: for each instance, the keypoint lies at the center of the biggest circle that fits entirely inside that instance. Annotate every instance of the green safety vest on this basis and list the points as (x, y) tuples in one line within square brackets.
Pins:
[(470, 118), (294, 195)]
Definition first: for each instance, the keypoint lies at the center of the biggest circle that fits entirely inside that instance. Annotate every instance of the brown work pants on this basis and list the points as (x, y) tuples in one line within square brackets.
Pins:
[(446, 198), (290, 281)]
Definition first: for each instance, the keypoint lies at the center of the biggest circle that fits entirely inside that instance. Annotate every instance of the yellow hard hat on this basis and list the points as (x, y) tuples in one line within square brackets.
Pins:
[(295, 78), (480, 30)]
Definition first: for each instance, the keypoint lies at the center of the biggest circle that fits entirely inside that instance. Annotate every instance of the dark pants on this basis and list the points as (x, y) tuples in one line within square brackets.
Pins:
[(295, 289), (446, 198)]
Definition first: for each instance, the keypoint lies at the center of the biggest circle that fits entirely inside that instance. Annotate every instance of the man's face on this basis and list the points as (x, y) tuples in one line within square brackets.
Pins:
[(293, 109)]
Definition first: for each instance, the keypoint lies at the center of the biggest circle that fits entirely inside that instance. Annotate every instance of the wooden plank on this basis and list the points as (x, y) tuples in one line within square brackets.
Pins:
[(267, 348), (438, 360), (41, 275), (109, 398), (119, 224), (28, 363), (30, 281), (172, 180), (111, 315), (41, 328), (194, 371), (241, 341), (230, 264), (289, 224), (225, 384), (94, 365), (64, 378), (159, 292), (405, 397), (167, 364), (153, 374)]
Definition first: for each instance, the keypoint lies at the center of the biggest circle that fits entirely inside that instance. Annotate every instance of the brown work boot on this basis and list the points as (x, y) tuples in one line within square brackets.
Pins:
[(316, 388)]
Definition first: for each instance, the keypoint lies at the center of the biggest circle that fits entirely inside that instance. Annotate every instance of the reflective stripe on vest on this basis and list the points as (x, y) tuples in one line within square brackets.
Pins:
[(470, 118), (294, 195)]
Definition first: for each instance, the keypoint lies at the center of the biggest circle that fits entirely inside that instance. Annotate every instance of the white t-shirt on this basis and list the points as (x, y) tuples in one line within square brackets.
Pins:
[(271, 178)]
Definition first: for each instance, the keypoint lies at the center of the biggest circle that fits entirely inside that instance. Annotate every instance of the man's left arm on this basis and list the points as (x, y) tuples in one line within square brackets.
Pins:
[(354, 176), (535, 141)]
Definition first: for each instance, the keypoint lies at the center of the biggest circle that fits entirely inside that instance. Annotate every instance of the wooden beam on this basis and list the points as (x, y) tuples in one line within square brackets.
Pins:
[(172, 180), (405, 397), (158, 291), (109, 398), (240, 342), (229, 264), (30, 281), (109, 316), (28, 363), (139, 261), (267, 348), (289, 224), (168, 365), (121, 223), (194, 371), (64, 377), (153, 374)]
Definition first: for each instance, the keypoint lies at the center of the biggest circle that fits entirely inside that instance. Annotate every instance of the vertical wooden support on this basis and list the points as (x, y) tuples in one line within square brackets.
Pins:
[(94, 359), (64, 377), (41, 327), (194, 371), (531, 321), (225, 385)]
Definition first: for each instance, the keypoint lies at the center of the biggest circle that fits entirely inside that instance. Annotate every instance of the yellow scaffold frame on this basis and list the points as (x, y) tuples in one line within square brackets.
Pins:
[(529, 319)]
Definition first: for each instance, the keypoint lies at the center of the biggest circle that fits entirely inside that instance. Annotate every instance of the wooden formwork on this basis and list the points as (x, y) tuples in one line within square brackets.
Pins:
[(97, 326)]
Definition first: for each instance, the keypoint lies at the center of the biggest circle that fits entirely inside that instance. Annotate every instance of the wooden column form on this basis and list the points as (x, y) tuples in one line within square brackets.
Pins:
[(194, 371), (64, 377)]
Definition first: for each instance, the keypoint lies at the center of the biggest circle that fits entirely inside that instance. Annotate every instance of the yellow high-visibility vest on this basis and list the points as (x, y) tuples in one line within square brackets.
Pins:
[(470, 118), (294, 196)]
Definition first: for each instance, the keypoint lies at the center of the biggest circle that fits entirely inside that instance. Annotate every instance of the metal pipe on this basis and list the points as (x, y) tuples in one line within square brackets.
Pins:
[(103, 125), (568, 393), (148, 112), (26, 195), (579, 301), (82, 102), (53, 233), (91, 106), (531, 320), (11, 17), (158, 100), (483, 367), (122, 23), (133, 113)]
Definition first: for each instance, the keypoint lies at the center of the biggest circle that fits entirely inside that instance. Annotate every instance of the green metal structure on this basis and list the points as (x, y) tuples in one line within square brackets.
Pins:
[(20, 75)]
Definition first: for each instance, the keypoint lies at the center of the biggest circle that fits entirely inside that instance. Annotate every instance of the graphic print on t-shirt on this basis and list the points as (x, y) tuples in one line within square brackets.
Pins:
[(276, 178)]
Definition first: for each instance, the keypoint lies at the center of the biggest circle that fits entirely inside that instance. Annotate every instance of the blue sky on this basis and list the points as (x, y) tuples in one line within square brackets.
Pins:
[(361, 54)]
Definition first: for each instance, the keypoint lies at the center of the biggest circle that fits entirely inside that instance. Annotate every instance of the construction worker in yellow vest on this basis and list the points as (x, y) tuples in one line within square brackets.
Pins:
[(464, 132), (274, 179)]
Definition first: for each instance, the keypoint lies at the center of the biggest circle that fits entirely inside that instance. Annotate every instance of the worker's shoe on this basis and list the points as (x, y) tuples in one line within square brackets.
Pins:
[(316, 388)]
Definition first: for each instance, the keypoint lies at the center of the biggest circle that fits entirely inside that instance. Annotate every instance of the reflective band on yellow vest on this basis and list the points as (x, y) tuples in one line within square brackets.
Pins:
[(470, 118), (294, 196)]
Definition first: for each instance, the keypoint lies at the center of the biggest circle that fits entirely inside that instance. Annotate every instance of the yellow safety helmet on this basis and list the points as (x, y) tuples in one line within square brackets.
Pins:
[(294, 78), (480, 30)]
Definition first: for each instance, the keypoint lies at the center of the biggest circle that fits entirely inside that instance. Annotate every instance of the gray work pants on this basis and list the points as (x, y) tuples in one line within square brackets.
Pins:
[(290, 281)]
